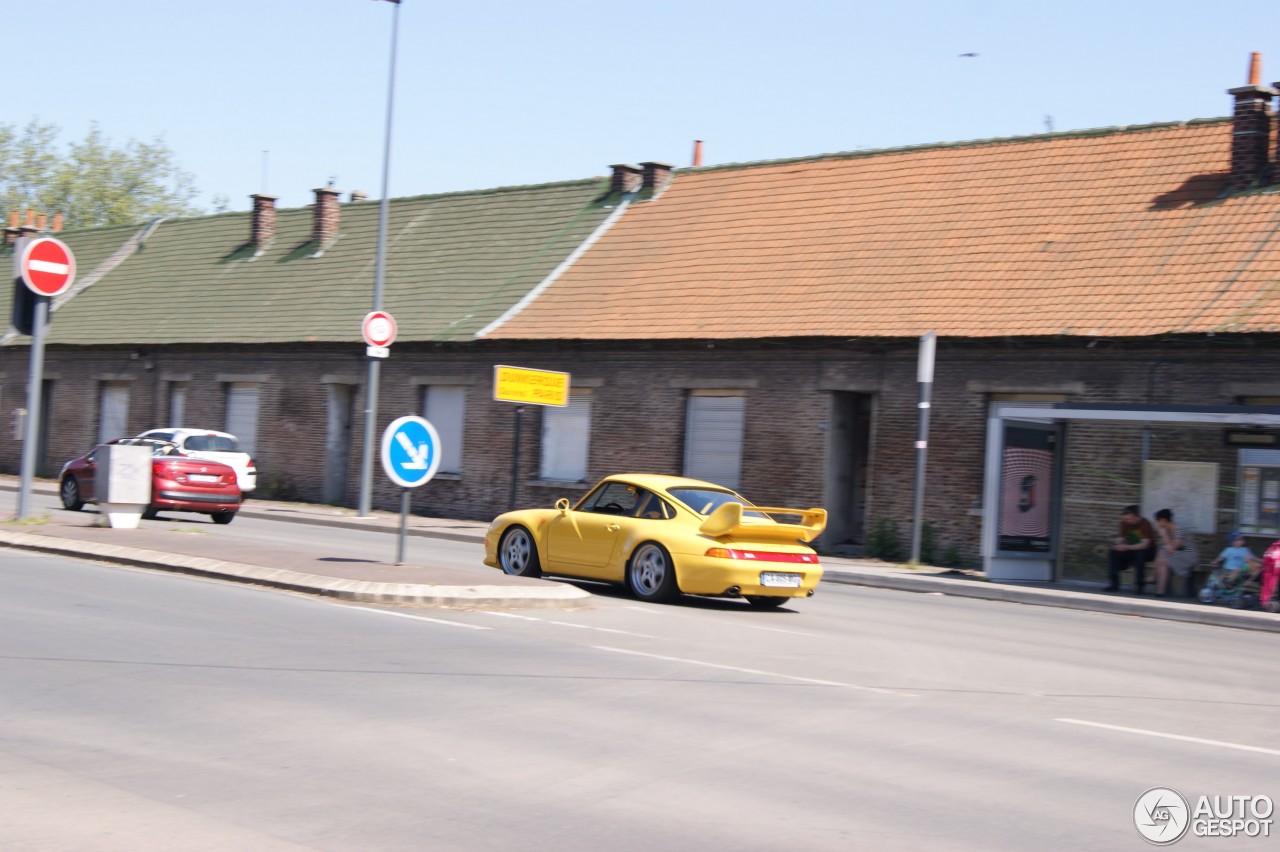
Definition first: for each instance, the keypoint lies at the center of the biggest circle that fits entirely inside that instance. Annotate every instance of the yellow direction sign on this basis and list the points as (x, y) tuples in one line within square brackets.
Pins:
[(536, 387)]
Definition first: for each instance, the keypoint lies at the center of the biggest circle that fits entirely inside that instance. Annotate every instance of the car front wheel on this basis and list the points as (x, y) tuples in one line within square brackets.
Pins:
[(650, 574), (518, 555), (70, 494), (223, 517)]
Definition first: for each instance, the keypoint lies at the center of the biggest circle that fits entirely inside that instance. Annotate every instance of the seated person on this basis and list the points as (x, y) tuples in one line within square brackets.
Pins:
[(1134, 544), (1235, 559)]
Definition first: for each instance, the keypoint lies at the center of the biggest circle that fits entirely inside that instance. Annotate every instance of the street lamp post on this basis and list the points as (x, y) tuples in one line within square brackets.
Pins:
[(371, 381)]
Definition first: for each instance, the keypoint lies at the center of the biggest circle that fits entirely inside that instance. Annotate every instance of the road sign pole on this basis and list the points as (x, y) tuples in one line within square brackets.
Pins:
[(404, 521), (924, 376), (35, 381), (515, 459)]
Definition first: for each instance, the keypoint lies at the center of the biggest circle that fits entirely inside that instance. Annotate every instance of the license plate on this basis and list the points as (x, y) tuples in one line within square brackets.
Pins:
[(770, 578), (203, 477)]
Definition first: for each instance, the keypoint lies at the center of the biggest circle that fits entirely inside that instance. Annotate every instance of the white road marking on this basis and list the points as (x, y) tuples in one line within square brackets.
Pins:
[(756, 672), (424, 618), (1146, 733), (569, 624)]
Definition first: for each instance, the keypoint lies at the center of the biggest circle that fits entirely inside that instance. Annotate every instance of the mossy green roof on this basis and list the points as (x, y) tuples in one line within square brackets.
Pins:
[(454, 263)]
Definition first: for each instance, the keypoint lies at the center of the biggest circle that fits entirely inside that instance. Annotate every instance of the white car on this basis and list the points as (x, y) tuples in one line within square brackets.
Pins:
[(215, 446)]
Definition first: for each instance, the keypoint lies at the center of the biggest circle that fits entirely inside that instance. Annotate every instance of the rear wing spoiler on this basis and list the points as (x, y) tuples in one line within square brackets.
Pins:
[(728, 521)]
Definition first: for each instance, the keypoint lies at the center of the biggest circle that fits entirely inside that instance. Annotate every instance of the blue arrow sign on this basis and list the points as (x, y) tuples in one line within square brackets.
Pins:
[(410, 451)]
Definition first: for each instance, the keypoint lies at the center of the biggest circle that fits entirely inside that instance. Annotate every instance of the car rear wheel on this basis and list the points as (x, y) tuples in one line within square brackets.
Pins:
[(766, 601), (223, 517), (150, 513), (70, 494), (517, 553), (650, 574)]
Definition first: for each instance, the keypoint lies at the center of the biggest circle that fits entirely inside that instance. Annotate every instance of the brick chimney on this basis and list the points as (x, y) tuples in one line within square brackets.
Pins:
[(1251, 130), (325, 224), (656, 175), (262, 224), (625, 178), (11, 233)]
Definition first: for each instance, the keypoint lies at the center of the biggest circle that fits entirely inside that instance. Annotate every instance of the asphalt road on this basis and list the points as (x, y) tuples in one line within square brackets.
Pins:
[(150, 711)]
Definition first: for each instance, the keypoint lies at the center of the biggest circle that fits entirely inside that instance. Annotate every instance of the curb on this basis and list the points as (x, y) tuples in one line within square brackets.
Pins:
[(1194, 613), (555, 595)]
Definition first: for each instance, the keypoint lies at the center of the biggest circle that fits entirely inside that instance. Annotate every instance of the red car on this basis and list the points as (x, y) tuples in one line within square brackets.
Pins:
[(178, 483)]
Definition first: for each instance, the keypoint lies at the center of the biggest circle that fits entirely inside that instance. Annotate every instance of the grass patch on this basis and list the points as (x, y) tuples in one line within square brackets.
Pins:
[(28, 522)]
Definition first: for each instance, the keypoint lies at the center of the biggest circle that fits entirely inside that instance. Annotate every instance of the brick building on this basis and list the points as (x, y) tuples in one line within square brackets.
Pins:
[(755, 324)]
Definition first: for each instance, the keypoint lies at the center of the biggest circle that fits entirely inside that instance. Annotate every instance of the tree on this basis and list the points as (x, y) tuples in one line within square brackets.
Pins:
[(93, 183)]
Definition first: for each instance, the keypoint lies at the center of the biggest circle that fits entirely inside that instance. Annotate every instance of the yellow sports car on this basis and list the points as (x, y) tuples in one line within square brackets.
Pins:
[(663, 535)]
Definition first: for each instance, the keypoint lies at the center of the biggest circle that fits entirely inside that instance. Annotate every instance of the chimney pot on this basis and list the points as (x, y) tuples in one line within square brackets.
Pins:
[(1255, 69), (325, 224), (57, 222), (41, 221), (262, 222), (697, 153), (656, 175)]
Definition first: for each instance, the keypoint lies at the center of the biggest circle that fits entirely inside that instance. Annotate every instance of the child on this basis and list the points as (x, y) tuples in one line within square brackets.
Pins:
[(1234, 559)]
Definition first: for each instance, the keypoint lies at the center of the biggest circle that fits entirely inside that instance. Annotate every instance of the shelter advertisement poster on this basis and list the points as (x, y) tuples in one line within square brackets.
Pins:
[(1027, 488)]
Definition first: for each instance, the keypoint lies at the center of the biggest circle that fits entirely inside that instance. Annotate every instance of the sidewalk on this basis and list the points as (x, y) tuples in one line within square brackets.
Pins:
[(416, 584)]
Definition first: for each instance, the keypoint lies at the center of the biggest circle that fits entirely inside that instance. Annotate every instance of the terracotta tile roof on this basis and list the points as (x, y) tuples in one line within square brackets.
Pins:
[(1106, 233)]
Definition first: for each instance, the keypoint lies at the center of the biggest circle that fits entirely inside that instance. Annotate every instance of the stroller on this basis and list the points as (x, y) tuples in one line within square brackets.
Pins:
[(1238, 592)]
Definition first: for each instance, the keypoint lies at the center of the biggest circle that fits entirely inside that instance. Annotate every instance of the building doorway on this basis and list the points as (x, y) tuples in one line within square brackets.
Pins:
[(848, 448), (337, 442)]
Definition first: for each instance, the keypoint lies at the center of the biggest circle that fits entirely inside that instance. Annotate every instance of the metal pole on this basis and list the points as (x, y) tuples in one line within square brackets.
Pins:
[(924, 375), (35, 382), (515, 459), (404, 520), (375, 364)]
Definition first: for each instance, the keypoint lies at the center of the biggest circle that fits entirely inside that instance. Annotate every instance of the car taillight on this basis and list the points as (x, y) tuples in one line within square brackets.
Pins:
[(253, 465), (761, 555)]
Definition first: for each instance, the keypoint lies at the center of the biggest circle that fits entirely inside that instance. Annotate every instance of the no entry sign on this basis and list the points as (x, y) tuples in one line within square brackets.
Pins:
[(47, 266), (379, 328)]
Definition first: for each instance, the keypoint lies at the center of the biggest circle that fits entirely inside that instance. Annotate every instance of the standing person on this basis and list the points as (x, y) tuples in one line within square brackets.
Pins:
[(1133, 546), (1173, 554)]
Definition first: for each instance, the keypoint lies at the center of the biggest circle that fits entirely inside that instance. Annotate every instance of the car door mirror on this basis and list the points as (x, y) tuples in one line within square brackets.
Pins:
[(563, 505)]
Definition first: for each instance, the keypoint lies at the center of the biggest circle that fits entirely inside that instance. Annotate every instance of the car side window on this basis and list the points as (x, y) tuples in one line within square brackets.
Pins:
[(615, 498), (654, 508)]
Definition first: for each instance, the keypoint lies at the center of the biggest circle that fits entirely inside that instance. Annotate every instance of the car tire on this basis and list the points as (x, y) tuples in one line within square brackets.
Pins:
[(651, 575), (150, 513), (518, 554), (69, 491), (223, 517), (766, 601)]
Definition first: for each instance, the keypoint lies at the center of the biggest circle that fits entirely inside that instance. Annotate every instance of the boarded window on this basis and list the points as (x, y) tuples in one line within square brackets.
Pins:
[(445, 407), (242, 414), (713, 438), (566, 438), (113, 411)]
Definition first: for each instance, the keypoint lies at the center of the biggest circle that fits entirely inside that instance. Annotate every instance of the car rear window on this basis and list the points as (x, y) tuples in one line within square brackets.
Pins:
[(704, 501), (211, 444)]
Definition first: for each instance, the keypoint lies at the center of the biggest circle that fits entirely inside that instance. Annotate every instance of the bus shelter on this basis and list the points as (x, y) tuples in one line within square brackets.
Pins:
[(1023, 490)]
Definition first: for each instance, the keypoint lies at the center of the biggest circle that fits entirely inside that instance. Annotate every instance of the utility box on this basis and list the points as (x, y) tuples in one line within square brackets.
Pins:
[(123, 483)]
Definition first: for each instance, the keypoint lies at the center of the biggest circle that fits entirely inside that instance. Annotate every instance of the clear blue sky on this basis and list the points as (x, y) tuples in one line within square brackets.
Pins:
[(492, 93)]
